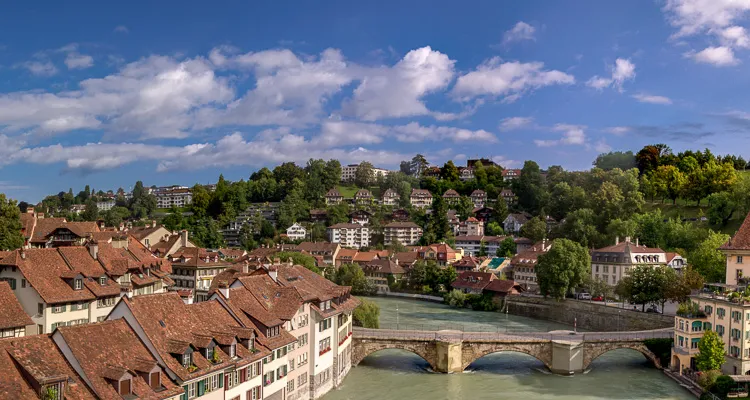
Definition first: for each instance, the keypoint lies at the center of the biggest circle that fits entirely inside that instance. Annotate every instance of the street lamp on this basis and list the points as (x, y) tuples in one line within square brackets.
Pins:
[(396, 316)]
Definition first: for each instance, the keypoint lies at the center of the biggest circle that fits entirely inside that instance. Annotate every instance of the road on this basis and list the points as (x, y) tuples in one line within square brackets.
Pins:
[(516, 336)]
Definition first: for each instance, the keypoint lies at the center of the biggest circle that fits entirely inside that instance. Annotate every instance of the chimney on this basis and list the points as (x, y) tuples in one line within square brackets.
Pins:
[(102, 225), (184, 237), (23, 254), (30, 210), (153, 223), (40, 215), (617, 240), (627, 239), (636, 242), (94, 250)]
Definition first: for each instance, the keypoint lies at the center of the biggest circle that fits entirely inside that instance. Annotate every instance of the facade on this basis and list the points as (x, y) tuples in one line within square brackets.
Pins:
[(441, 253), (611, 264), (326, 250), (268, 211), (735, 250), (479, 198), (105, 205), (363, 196), (194, 271), (405, 233), (13, 319), (511, 174), (513, 222), (333, 197), (523, 266), (451, 197), (471, 245), (380, 270), (471, 227), (174, 196), (508, 196), (390, 198), (296, 232), (57, 232), (171, 244), (348, 172), (470, 263), (151, 234), (361, 217), (349, 235), (420, 198), (465, 173)]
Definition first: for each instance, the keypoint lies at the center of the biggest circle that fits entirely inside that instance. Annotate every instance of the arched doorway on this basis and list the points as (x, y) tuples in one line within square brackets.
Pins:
[(675, 364)]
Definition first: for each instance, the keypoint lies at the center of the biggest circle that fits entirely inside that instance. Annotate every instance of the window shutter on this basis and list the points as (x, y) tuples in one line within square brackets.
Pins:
[(184, 396), (226, 381), (201, 388), (221, 380), (243, 375)]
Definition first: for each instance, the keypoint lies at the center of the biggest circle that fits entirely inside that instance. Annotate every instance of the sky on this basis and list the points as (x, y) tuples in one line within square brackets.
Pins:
[(169, 92)]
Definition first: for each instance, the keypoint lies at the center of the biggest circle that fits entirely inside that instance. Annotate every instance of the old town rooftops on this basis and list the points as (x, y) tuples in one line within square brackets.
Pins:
[(12, 314)]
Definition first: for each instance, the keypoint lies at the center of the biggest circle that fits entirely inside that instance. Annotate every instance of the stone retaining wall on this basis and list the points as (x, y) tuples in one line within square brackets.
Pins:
[(589, 316)]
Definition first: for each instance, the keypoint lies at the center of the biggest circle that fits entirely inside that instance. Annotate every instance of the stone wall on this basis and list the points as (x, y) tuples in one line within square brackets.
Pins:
[(590, 316)]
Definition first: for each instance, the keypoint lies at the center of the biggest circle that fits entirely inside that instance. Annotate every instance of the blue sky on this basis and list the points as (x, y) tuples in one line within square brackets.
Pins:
[(177, 92)]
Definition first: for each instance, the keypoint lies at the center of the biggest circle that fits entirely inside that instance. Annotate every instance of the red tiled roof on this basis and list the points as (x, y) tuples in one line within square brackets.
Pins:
[(450, 193), (106, 347), (383, 265), (45, 226), (12, 314), (406, 224), (473, 280), (741, 239), (27, 225), (630, 247), (503, 286), (232, 253)]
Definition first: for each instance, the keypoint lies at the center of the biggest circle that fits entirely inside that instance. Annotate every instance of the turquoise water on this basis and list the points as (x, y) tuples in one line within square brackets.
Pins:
[(396, 374)]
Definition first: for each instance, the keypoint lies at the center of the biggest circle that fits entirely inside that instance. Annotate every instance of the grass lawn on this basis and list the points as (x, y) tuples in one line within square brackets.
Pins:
[(684, 209), (348, 191)]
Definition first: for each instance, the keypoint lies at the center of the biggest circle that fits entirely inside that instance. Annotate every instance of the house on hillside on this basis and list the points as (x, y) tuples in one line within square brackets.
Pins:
[(390, 198), (451, 197), (361, 217), (508, 196), (612, 263), (380, 270), (483, 214), (479, 198), (333, 197), (420, 198), (513, 222), (363, 197), (471, 227), (296, 232), (405, 233)]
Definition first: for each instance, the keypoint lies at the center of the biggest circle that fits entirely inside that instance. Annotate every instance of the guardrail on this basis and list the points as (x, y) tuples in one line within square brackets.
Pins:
[(515, 336)]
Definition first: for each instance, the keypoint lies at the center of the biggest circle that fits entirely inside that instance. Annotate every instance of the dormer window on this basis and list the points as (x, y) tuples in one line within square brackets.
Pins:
[(125, 386), (187, 360), (231, 350), (154, 380), (78, 284), (250, 344), (103, 280)]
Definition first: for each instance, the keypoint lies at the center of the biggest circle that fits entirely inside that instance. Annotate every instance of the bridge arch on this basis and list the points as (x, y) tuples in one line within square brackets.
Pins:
[(594, 350), (472, 352), (425, 350)]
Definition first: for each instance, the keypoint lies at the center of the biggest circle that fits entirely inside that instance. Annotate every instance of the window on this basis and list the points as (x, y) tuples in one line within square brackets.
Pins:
[(232, 350), (302, 359), (11, 282), (302, 379), (59, 309), (268, 378), (325, 324), (106, 302), (254, 393), (23, 283), (78, 284), (324, 346), (281, 371), (154, 380), (739, 259), (290, 385), (103, 280), (40, 309), (187, 360), (124, 387)]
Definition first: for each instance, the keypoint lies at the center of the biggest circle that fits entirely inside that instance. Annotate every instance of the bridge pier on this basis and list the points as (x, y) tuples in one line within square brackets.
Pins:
[(567, 357), (449, 356)]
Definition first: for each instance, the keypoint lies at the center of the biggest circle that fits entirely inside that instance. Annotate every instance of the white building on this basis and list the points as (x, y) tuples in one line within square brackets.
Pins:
[(613, 263), (177, 196), (349, 235), (348, 172), (390, 198), (105, 205), (420, 198), (296, 232), (405, 233), (471, 227)]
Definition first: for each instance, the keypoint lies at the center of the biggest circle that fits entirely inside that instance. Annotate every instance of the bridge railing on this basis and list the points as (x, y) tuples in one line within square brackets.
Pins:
[(521, 336)]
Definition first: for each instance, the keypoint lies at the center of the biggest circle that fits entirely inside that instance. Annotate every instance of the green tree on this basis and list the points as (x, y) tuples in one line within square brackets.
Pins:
[(643, 285), (464, 208), (141, 204), (621, 228), (708, 260), (562, 268), (367, 314), (482, 249), (449, 172), (529, 188), (448, 275), (364, 176), (535, 229), (671, 181), (493, 229), (298, 258), (615, 159), (507, 248), (10, 224), (352, 275), (338, 214), (561, 197), (721, 208), (418, 165), (294, 207), (455, 298), (173, 221), (91, 212), (331, 174), (501, 209), (710, 352)]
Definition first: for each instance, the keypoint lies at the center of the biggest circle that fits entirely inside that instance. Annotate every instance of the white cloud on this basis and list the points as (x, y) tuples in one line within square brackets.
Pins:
[(513, 123), (459, 157), (78, 61), (602, 147), (719, 56), (735, 36), (622, 71), (121, 29), (653, 99), (521, 31), (341, 133), (572, 135), (39, 68), (618, 130), (509, 80)]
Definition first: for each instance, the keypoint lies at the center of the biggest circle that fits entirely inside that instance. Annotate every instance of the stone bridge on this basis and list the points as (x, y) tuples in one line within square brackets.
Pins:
[(561, 352)]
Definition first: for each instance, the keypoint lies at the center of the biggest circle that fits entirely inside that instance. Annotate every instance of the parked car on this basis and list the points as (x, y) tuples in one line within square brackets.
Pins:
[(652, 309), (598, 298), (584, 296)]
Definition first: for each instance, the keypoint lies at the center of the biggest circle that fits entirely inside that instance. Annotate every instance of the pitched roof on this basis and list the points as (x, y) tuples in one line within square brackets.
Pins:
[(363, 193), (406, 258), (106, 347), (140, 232), (232, 253), (27, 225), (45, 226), (383, 265), (347, 225), (503, 286), (317, 246), (450, 193), (468, 262), (530, 255), (628, 247), (333, 193), (672, 256), (741, 239), (421, 192), (346, 254), (390, 193), (398, 224), (521, 218), (478, 192), (473, 280), (12, 314)]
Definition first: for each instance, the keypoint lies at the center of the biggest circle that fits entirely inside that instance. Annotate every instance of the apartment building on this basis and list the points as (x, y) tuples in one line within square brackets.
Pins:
[(479, 198), (105, 205), (58, 232), (326, 250), (193, 270), (390, 198), (150, 234), (405, 233), (523, 266), (296, 232), (420, 198), (735, 251), (363, 197), (173, 196), (333, 197), (471, 227), (451, 197), (349, 235), (348, 172), (611, 264), (471, 245)]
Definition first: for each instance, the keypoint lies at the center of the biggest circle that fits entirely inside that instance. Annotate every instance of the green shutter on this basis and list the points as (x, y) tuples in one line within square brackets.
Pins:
[(221, 380), (184, 396), (64, 307), (201, 388)]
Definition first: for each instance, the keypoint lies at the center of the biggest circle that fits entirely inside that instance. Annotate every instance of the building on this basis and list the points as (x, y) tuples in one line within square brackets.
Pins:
[(56, 232), (328, 251), (171, 244), (420, 198), (362, 197), (472, 244), (465, 173), (676, 261), (333, 197), (471, 227), (479, 198), (14, 322), (511, 174), (361, 217), (451, 197), (192, 269), (508, 196), (150, 234), (441, 253), (173, 196), (268, 211), (231, 254), (318, 215), (296, 232), (470, 263), (405, 233), (390, 198), (735, 250), (380, 271), (483, 214), (472, 282), (105, 204), (523, 266), (612, 263), (486, 162), (400, 215), (349, 235), (514, 222), (349, 172)]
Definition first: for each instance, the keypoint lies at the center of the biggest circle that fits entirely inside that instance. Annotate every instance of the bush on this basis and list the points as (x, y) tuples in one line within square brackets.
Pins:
[(722, 386), (482, 302), (367, 315), (708, 378), (661, 348), (426, 289), (455, 298)]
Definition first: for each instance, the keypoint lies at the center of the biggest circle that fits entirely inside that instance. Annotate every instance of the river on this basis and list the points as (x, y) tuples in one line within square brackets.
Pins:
[(396, 374)]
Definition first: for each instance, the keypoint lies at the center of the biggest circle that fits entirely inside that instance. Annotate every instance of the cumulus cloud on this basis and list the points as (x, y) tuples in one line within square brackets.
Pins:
[(653, 99), (39, 68), (339, 133), (521, 31), (572, 135), (78, 61), (513, 123), (622, 71), (509, 80), (721, 56)]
